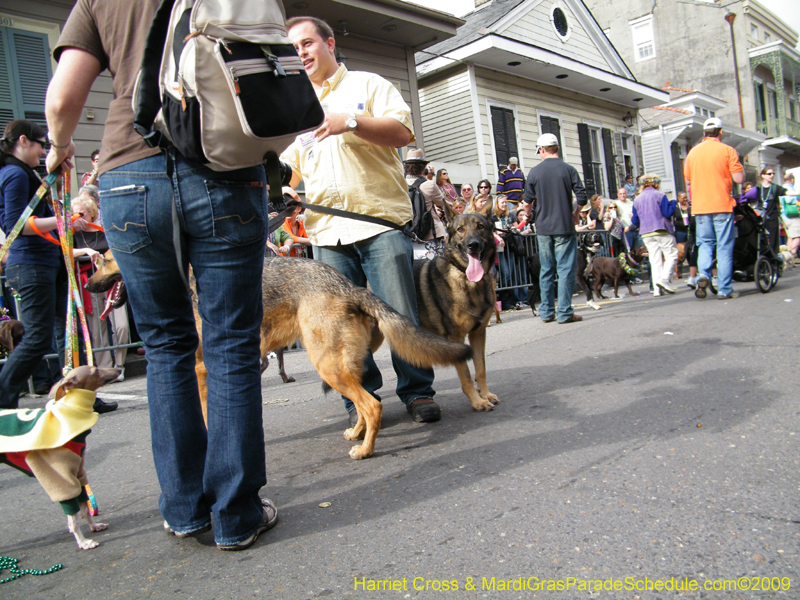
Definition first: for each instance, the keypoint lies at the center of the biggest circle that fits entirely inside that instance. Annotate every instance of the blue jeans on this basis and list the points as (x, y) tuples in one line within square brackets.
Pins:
[(385, 260), (43, 306), (633, 239), (716, 231), (220, 229), (557, 253)]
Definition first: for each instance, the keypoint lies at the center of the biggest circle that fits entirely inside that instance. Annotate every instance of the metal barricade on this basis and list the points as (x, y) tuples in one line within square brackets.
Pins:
[(513, 273)]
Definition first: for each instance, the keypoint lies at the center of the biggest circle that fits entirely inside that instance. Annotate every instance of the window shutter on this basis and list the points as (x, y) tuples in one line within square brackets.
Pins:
[(586, 159), (637, 142), (505, 134), (551, 125), (620, 159), (677, 168), (8, 101), (610, 169), (31, 55)]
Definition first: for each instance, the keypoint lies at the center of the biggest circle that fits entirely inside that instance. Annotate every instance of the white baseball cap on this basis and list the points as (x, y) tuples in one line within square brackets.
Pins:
[(712, 123), (546, 139)]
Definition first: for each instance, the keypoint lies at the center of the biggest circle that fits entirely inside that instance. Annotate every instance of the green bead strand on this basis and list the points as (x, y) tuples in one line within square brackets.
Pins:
[(7, 562)]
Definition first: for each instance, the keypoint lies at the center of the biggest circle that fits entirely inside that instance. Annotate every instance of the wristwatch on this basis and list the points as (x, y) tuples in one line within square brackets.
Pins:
[(56, 146), (352, 122)]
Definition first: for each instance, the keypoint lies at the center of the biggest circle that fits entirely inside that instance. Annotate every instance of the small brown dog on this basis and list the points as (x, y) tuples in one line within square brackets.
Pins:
[(611, 269), (11, 332), (49, 443)]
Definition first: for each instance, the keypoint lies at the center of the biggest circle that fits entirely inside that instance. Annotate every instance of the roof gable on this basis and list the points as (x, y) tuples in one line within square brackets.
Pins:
[(530, 22)]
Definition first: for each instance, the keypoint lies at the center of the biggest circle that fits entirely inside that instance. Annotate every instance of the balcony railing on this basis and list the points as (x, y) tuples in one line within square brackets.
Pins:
[(776, 128)]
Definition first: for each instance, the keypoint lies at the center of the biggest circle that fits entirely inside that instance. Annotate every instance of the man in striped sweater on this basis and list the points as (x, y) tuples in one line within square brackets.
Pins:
[(511, 182)]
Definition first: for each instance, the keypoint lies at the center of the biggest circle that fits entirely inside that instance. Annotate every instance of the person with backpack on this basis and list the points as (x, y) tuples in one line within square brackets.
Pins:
[(351, 163), (427, 200), (162, 213)]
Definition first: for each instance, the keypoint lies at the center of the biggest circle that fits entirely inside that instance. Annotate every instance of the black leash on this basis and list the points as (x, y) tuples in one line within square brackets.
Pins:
[(277, 221)]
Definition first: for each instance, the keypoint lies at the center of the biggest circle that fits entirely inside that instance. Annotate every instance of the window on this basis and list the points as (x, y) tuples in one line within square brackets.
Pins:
[(558, 19), (754, 30), (644, 46), (761, 101), (767, 38), (596, 154), (504, 134), (792, 104), (711, 113), (772, 102)]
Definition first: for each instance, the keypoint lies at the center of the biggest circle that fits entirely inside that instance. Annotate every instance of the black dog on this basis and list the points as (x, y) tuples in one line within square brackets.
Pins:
[(588, 247)]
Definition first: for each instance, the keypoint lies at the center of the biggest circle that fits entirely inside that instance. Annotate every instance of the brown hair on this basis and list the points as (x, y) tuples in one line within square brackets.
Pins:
[(323, 29)]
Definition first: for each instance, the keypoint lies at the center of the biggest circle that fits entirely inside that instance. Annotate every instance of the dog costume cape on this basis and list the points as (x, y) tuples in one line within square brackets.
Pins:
[(48, 443)]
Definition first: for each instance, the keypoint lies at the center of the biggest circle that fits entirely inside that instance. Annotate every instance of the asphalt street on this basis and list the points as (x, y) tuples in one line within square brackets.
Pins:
[(649, 448)]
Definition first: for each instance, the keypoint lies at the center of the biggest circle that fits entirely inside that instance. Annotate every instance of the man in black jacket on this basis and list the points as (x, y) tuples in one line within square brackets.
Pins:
[(548, 194)]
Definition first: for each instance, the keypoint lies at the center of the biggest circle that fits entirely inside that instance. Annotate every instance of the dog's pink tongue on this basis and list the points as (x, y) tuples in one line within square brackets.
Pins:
[(109, 301), (474, 269)]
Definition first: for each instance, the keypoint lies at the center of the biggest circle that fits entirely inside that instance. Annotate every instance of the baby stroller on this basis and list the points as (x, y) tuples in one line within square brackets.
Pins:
[(753, 259)]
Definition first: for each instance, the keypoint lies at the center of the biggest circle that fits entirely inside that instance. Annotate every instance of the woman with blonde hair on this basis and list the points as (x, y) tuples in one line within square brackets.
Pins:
[(652, 214), (476, 204)]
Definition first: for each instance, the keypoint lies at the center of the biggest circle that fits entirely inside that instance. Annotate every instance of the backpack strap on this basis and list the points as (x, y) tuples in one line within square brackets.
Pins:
[(148, 101), (420, 180)]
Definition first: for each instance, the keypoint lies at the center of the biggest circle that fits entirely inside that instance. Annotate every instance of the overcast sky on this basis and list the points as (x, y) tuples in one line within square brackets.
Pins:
[(787, 10)]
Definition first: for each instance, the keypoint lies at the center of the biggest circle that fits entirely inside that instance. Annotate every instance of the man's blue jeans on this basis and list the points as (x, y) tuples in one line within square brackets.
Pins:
[(557, 254), (220, 230), (716, 230), (43, 305), (386, 261)]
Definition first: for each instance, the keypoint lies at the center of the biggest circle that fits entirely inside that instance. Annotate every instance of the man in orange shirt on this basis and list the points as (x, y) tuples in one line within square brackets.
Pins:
[(710, 169)]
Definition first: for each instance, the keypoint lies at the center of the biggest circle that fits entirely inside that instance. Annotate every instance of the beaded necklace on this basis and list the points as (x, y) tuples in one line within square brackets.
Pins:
[(623, 261), (7, 562)]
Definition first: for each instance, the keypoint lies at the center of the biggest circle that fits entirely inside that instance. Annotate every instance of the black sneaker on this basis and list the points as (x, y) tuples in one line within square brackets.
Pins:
[(101, 407)]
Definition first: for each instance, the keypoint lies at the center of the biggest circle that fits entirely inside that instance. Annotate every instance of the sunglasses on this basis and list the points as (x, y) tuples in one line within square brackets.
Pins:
[(483, 187), (770, 173), (42, 143)]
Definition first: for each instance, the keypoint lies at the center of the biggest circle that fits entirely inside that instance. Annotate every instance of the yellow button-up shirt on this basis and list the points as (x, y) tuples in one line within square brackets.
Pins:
[(348, 173)]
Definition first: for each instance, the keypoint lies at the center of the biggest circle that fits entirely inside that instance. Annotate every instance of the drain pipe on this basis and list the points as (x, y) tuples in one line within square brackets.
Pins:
[(729, 18)]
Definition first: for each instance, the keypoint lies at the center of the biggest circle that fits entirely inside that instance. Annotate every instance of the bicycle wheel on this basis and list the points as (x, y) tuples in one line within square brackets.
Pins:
[(764, 275)]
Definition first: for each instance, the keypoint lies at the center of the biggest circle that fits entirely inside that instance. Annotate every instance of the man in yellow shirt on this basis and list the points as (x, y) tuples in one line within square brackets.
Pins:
[(710, 169), (351, 163)]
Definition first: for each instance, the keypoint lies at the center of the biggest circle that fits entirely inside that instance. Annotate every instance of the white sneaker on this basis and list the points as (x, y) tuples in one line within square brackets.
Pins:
[(121, 377), (665, 287), (692, 283)]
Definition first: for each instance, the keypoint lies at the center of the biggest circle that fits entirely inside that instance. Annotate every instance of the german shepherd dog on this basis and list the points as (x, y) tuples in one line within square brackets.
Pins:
[(337, 322), (455, 294)]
